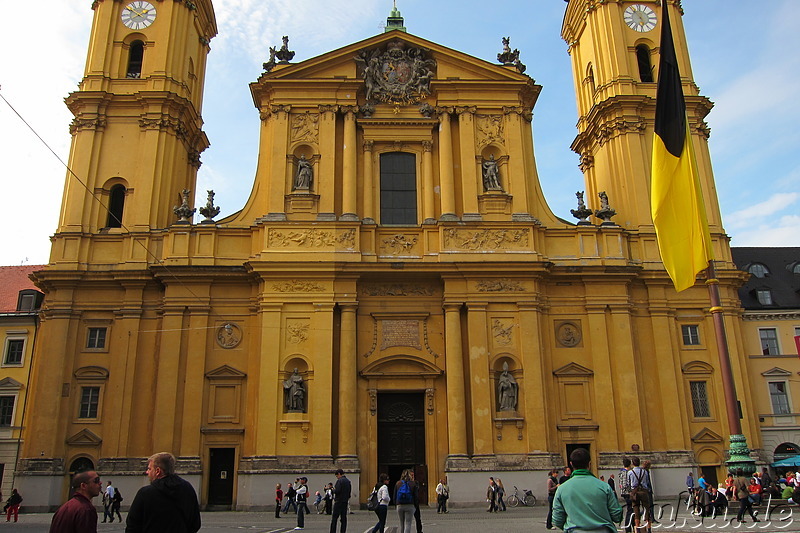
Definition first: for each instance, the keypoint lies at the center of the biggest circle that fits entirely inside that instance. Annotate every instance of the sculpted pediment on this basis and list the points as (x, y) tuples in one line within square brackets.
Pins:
[(341, 64), (706, 435), (84, 438), (573, 369)]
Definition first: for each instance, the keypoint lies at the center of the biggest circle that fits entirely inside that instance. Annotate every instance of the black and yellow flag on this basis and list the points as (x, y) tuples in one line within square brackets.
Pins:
[(676, 200)]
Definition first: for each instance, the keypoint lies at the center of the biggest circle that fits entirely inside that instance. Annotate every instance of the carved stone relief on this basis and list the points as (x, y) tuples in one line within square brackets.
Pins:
[(499, 285), (489, 129), (398, 244), (298, 286), (297, 332), (229, 336), (503, 332), (400, 333), (399, 74), (486, 239), (396, 289), (568, 334), (312, 238), (305, 127)]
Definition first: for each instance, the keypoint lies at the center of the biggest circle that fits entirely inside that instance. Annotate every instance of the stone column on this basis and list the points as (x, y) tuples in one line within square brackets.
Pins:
[(369, 185), (348, 370), (324, 176), (168, 374), (278, 186), (428, 206), (446, 176), (469, 170), (480, 410), (349, 184), (454, 372)]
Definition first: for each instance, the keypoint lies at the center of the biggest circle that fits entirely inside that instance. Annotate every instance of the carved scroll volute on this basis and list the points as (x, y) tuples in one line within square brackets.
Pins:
[(373, 401), (429, 400)]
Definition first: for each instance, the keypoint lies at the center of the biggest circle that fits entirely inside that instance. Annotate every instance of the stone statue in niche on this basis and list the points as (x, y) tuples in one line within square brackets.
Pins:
[(294, 393), (507, 390), (305, 174), (491, 175)]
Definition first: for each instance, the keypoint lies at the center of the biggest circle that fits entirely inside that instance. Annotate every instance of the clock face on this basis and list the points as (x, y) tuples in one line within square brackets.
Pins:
[(138, 15), (640, 17)]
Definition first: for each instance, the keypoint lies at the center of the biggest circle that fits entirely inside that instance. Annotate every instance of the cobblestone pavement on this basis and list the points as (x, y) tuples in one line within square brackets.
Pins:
[(470, 520)]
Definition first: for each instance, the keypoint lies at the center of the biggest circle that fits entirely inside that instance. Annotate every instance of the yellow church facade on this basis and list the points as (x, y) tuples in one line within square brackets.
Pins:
[(395, 293)]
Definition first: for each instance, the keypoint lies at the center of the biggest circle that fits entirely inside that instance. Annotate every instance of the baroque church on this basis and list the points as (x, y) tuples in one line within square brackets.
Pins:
[(395, 293)]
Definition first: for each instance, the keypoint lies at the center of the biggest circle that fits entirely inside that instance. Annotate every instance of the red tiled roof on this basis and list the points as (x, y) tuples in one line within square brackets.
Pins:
[(12, 280)]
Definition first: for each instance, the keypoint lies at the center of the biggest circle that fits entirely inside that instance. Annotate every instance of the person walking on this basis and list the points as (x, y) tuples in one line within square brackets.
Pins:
[(442, 495), (625, 492), (341, 497), (612, 484), (78, 514), (585, 503), (12, 505), (552, 485), (404, 495), (491, 496), (740, 486), (108, 496), (382, 489), (501, 491), (278, 500), (116, 502), (640, 495), (168, 503)]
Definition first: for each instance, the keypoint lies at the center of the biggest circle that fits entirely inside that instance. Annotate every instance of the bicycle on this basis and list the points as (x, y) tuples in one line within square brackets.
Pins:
[(528, 499)]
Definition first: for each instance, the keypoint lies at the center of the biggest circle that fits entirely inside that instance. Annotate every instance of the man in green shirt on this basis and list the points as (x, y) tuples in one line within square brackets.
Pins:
[(584, 503)]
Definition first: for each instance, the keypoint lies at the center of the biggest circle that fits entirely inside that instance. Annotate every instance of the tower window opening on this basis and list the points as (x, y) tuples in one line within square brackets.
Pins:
[(645, 67), (135, 59), (116, 206)]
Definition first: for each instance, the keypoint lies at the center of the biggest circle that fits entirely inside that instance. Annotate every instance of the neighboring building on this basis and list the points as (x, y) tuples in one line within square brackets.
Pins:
[(395, 293), (20, 301), (771, 322)]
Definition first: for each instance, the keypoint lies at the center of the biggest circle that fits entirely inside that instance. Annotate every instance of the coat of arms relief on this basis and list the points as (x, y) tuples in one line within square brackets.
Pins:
[(399, 74)]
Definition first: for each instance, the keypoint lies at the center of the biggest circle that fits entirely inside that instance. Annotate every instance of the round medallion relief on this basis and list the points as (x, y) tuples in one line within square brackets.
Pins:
[(568, 334), (229, 336)]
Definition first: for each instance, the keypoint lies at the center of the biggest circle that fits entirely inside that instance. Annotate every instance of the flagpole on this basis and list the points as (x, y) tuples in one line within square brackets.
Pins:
[(739, 453)]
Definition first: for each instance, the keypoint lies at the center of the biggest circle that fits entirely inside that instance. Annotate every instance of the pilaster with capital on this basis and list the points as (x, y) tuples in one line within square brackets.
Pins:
[(327, 163), (348, 383), (446, 176), (428, 198), (277, 146), (469, 170), (480, 409), (349, 155), (454, 374), (369, 184)]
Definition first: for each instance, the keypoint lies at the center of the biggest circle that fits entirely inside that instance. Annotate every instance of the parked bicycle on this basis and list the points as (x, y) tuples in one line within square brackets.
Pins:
[(527, 499)]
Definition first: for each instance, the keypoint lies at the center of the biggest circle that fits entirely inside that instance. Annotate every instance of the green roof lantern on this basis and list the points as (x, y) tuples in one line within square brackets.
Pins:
[(395, 20)]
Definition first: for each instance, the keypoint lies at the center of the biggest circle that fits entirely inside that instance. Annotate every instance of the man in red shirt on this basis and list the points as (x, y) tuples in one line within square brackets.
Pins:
[(78, 515)]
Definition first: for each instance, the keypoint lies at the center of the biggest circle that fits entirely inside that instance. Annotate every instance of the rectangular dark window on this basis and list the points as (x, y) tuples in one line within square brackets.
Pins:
[(15, 348), (6, 410), (90, 398), (691, 335), (769, 341), (779, 398), (96, 338), (700, 404), (398, 188)]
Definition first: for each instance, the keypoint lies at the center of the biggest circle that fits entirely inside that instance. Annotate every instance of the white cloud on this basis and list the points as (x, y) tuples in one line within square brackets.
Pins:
[(769, 207), (784, 231)]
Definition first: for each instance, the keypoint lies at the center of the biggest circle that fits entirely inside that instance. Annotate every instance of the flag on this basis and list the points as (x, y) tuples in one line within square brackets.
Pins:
[(676, 201)]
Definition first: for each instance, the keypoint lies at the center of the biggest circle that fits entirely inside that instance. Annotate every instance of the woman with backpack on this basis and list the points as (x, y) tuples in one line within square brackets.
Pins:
[(382, 494), (405, 494), (116, 501)]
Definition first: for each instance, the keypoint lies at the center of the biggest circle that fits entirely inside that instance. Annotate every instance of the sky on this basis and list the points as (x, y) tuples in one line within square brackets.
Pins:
[(744, 58)]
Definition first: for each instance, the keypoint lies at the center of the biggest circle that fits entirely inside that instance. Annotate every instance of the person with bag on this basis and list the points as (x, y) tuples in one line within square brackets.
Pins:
[(552, 485), (740, 486), (116, 502), (640, 495), (12, 505), (491, 496), (404, 496), (442, 494), (379, 502)]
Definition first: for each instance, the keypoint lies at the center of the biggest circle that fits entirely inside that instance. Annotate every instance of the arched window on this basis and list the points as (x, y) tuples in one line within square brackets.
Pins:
[(398, 188), (590, 80), (116, 205), (758, 270), (81, 464), (135, 58), (643, 59)]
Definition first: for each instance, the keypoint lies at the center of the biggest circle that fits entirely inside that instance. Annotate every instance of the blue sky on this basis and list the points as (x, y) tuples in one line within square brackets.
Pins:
[(744, 58)]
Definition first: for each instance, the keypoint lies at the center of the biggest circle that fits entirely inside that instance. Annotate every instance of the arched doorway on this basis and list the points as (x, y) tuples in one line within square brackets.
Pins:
[(401, 436), (81, 464), (785, 450)]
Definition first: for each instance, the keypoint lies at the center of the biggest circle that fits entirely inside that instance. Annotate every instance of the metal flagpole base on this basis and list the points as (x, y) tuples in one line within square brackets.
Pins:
[(739, 461)]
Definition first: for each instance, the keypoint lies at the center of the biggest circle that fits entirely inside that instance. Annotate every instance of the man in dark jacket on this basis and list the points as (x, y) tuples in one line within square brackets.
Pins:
[(167, 505), (341, 495), (78, 515)]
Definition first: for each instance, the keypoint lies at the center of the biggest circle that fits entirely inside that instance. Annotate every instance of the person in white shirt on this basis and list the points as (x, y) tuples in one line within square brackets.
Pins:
[(302, 493), (442, 494), (383, 502), (108, 499)]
